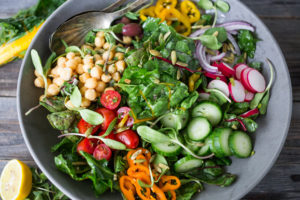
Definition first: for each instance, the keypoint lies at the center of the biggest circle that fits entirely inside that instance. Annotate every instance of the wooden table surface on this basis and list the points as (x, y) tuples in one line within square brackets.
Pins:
[(283, 19)]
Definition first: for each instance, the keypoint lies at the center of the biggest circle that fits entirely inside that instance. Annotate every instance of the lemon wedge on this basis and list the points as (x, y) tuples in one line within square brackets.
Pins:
[(15, 181)]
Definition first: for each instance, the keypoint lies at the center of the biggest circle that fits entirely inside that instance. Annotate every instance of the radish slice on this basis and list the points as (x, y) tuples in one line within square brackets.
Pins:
[(238, 70), (226, 69), (244, 79), (220, 85), (249, 96), (250, 113), (204, 95), (237, 91), (215, 76), (256, 81)]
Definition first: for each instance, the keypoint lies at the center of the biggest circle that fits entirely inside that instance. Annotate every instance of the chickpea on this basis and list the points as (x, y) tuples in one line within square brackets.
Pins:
[(58, 81), (69, 104), (54, 72), (99, 62), (120, 45), (120, 65), (100, 86), (100, 34), (79, 69), (39, 82), (60, 70), (116, 76), (84, 77), (119, 55), (53, 90), (37, 74), (111, 69), (88, 59), (71, 64), (85, 103), (48, 81), (91, 83), (70, 55), (42, 97), (78, 59), (127, 39), (108, 55), (82, 90), (97, 57), (99, 42), (61, 61), (90, 94), (96, 72), (67, 74), (109, 88), (87, 67), (106, 46), (105, 78)]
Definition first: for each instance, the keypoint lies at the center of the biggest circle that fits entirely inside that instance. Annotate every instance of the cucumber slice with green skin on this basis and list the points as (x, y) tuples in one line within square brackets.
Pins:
[(240, 144), (176, 121), (205, 150), (193, 148), (187, 164), (167, 148), (198, 128), (220, 142), (209, 110)]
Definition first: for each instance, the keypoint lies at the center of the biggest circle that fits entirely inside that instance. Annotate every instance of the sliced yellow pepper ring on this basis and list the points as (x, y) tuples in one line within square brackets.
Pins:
[(147, 12), (180, 17), (189, 9), (163, 4), (192, 80)]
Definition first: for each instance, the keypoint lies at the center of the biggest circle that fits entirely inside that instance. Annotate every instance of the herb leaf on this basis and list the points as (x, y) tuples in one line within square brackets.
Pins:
[(133, 16), (110, 127), (76, 97), (205, 4), (74, 49), (210, 41), (91, 117), (222, 6), (113, 144)]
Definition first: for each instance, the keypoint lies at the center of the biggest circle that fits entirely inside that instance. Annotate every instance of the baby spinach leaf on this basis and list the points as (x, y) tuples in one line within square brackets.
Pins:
[(136, 57), (61, 120), (54, 104), (256, 65), (222, 6), (250, 124), (76, 97), (190, 100), (211, 168), (230, 124), (205, 4), (222, 34), (210, 41), (91, 117), (187, 191), (239, 108), (207, 19), (247, 42)]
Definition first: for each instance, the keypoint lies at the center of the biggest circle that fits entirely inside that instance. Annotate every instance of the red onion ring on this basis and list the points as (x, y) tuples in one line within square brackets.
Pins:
[(234, 43)]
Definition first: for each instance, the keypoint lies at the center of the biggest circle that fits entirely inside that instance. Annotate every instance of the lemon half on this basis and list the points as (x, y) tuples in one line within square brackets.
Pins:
[(15, 181)]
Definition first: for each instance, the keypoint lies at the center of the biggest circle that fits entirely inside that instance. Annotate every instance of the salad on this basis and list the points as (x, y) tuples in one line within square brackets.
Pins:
[(156, 105)]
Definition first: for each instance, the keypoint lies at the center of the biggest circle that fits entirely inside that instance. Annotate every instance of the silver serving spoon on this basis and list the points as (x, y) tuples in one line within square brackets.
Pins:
[(75, 29)]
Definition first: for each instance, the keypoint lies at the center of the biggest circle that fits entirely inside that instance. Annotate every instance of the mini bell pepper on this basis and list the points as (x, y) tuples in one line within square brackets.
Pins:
[(180, 17), (147, 12), (163, 4), (189, 9)]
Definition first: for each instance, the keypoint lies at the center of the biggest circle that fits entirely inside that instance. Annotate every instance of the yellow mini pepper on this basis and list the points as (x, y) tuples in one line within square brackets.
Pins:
[(189, 9), (180, 17), (147, 12), (163, 4)]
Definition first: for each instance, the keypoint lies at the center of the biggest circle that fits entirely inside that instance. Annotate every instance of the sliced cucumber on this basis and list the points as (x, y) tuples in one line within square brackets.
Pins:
[(187, 164), (166, 148), (198, 128), (210, 110), (205, 150), (240, 144), (220, 142), (176, 121)]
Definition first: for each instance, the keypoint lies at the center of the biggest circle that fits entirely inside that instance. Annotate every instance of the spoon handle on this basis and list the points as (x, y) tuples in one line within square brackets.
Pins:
[(128, 8), (113, 6)]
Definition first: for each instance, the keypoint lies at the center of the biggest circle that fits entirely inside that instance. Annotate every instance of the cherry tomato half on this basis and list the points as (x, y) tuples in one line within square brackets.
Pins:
[(110, 99), (83, 126), (102, 151), (108, 116), (124, 111), (86, 145), (129, 138)]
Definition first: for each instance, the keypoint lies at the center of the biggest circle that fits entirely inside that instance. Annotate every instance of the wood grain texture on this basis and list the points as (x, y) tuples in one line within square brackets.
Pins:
[(283, 19)]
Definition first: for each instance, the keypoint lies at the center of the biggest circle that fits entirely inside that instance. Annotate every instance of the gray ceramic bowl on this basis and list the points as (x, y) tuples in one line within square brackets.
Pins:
[(269, 138)]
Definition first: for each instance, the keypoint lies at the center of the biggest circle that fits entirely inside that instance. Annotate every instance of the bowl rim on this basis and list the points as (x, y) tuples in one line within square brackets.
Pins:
[(70, 195)]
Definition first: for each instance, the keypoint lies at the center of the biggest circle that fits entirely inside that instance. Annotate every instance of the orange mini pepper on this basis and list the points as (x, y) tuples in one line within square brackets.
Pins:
[(173, 195), (127, 187), (160, 195), (168, 183)]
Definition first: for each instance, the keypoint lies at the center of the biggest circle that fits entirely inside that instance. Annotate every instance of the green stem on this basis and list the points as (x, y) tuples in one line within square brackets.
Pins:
[(216, 16)]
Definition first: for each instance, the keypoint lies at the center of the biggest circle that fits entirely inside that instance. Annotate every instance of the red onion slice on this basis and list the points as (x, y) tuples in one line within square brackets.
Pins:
[(234, 43), (217, 57)]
